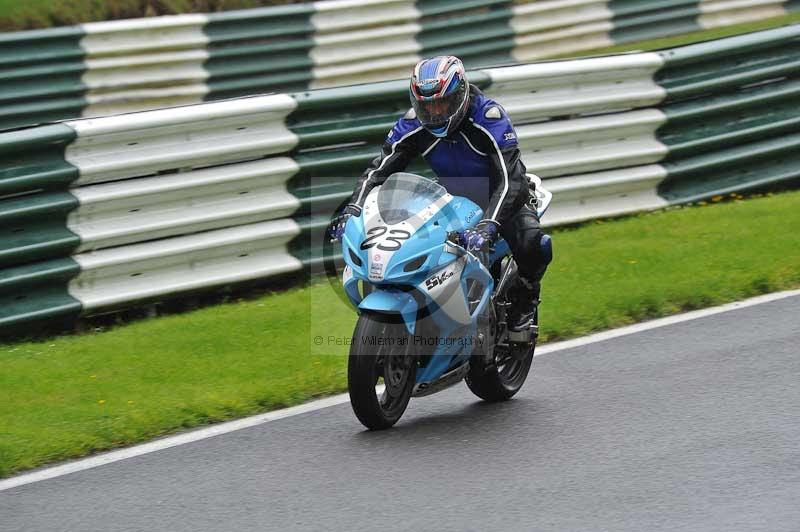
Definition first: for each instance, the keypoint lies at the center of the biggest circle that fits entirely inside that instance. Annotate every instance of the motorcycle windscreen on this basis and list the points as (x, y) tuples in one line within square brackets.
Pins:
[(404, 195)]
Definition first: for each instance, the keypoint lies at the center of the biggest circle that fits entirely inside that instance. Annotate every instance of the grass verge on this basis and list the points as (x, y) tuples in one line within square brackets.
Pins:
[(73, 395)]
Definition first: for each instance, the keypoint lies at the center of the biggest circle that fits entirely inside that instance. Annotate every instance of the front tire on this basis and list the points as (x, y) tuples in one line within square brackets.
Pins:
[(370, 364)]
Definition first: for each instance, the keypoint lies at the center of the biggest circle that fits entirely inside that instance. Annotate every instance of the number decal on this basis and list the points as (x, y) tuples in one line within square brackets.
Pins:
[(391, 243), (397, 236), (374, 234)]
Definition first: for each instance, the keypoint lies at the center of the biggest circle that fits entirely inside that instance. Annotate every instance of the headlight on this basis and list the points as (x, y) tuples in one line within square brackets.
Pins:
[(415, 264)]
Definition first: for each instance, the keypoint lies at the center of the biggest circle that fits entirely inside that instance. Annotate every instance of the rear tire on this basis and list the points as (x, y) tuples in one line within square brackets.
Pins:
[(368, 363), (502, 380)]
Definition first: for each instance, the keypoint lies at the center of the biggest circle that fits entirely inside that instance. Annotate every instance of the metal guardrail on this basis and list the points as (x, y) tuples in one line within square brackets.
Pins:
[(128, 65), (107, 212)]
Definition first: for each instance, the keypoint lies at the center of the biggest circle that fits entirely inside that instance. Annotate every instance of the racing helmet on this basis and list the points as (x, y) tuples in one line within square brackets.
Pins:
[(440, 93)]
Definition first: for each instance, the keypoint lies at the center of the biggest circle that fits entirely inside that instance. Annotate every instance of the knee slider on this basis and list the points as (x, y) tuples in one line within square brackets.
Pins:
[(546, 249)]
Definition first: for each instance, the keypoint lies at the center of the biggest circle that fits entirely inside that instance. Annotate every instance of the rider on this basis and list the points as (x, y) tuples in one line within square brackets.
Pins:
[(470, 143)]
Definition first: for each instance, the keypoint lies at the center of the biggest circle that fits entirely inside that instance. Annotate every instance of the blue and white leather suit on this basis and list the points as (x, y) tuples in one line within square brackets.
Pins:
[(479, 160)]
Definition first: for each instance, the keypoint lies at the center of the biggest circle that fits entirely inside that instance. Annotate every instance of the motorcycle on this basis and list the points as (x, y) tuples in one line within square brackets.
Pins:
[(431, 313)]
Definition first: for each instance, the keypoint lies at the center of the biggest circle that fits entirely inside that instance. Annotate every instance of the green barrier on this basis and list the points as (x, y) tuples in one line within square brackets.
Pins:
[(721, 48), (32, 276), (638, 20), (41, 81), (356, 113), (259, 50), (40, 46), (742, 168), (485, 53), (33, 289), (479, 33), (308, 245), (732, 114), (33, 159), (730, 123), (106, 68), (33, 228), (348, 161), (689, 72), (260, 23), (41, 111), (41, 72), (243, 86), (445, 8), (367, 94), (36, 294), (337, 110), (320, 195), (240, 71), (728, 119)]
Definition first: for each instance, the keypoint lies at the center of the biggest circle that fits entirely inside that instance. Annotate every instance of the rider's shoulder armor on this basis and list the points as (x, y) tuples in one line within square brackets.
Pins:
[(407, 124), (488, 115)]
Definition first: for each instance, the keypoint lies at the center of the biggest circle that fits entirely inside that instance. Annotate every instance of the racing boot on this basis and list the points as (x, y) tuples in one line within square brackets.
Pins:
[(524, 301)]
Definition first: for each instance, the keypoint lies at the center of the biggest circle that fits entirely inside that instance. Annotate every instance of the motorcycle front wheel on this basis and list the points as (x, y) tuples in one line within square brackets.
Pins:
[(380, 354)]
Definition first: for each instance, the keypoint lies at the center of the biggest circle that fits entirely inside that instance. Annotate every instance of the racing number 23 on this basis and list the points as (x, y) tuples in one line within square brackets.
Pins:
[(390, 243)]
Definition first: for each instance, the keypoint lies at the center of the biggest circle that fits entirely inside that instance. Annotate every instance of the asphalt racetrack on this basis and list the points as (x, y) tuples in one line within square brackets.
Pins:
[(693, 426)]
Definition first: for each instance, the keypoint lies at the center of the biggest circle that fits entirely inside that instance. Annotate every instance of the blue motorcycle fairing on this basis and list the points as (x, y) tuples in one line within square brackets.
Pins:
[(451, 352), (386, 300), (350, 282), (456, 326), (476, 271), (457, 215), (457, 340), (426, 245), (353, 235), (461, 213)]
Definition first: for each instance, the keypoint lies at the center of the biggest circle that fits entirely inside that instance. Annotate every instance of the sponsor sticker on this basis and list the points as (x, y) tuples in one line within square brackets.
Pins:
[(439, 279)]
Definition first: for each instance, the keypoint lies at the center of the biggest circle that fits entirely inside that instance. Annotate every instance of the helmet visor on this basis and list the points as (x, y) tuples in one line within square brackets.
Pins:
[(435, 112)]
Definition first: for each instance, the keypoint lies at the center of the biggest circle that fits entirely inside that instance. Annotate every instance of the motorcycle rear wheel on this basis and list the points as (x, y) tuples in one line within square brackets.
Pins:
[(372, 361), (503, 379)]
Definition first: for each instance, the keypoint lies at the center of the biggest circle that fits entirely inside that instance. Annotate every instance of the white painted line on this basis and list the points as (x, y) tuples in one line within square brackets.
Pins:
[(252, 421), (662, 322), (171, 441)]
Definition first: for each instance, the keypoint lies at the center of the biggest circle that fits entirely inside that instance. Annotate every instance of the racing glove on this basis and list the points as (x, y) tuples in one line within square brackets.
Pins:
[(336, 229), (481, 237)]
